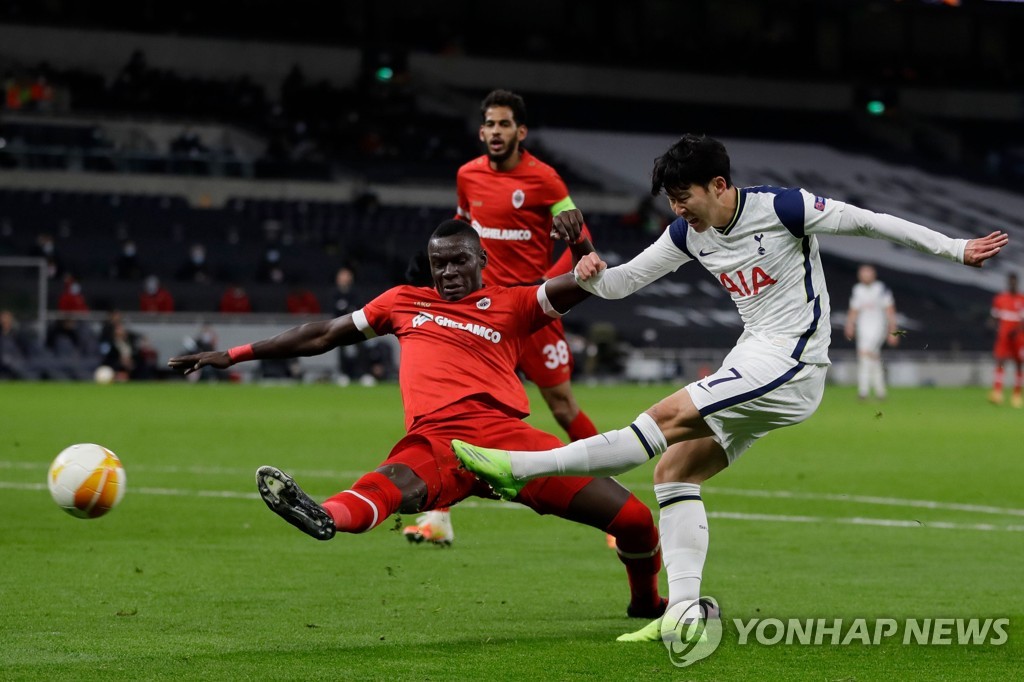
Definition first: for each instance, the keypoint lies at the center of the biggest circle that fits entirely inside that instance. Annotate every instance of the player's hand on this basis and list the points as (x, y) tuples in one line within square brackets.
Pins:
[(892, 339), (590, 265), (981, 249), (568, 225), (195, 362), (848, 332)]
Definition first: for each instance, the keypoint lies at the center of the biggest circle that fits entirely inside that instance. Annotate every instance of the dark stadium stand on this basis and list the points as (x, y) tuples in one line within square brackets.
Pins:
[(390, 121)]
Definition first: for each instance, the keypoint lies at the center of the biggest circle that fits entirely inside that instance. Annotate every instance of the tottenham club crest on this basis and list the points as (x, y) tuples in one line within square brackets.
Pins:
[(518, 197), (483, 303)]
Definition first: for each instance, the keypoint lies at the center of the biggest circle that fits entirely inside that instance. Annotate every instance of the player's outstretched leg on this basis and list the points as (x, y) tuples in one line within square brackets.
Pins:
[(434, 526), (490, 465), (606, 454), (286, 499)]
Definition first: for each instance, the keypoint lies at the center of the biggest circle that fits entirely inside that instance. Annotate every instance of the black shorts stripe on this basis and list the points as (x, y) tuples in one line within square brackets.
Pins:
[(755, 393)]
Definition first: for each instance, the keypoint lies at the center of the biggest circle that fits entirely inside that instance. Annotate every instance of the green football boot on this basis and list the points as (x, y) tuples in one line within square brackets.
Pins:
[(491, 466), (651, 632)]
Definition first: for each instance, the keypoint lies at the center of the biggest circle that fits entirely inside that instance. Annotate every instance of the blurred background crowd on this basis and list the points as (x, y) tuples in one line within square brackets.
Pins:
[(192, 169)]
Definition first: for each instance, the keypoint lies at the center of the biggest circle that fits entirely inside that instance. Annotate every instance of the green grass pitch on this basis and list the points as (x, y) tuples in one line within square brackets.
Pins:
[(911, 508)]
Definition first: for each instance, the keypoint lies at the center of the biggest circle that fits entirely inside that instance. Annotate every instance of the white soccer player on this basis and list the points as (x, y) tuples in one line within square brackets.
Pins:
[(761, 244), (871, 320)]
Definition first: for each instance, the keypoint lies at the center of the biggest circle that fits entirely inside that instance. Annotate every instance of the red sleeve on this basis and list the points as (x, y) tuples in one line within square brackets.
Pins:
[(564, 262), (378, 312), (555, 188), (556, 192), (529, 310), (462, 205)]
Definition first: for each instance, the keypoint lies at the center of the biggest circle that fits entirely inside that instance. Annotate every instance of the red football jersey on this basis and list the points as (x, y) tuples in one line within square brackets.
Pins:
[(1009, 310), (512, 212), (455, 349)]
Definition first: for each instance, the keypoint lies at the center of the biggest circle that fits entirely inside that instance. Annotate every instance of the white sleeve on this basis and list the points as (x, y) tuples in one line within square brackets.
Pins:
[(654, 262), (855, 298), (545, 302), (359, 318), (854, 221)]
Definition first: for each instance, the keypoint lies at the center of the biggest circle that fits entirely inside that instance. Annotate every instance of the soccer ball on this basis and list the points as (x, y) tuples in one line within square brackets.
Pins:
[(86, 480), (104, 374)]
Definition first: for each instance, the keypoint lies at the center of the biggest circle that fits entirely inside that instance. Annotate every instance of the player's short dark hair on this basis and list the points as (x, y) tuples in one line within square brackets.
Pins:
[(505, 98), (453, 228), (693, 160)]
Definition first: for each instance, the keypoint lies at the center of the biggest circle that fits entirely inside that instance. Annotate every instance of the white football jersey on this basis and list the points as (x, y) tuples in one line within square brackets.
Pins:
[(871, 301), (767, 259)]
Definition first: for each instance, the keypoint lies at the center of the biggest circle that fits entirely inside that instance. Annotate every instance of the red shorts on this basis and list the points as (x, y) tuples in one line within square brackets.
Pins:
[(546, 359), (1009, 345), (426, 449)]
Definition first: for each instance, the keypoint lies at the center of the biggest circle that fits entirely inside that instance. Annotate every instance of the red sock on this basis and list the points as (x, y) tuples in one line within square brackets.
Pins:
[(581, 427), (997, 382), (1018, 381), (636, 540), (370, 500)]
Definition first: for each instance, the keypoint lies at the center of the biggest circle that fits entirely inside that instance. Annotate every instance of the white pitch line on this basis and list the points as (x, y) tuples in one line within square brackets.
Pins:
[(733, 516), (862, 521), (714, 490), (196, 470), (866, 499)]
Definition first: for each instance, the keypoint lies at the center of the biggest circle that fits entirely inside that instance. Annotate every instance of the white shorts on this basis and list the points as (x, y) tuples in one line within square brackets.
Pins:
[(870, 338), (756, 391)]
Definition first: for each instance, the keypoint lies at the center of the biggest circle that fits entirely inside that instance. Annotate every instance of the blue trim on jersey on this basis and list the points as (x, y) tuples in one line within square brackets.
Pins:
[(806, 336), (808, 280), (677, 498), (741, 202), (755, 393), (789, 206), (678, 231), (643, 441)]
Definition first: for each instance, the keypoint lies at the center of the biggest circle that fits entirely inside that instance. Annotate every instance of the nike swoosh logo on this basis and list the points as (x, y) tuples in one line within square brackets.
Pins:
[(701, 252)]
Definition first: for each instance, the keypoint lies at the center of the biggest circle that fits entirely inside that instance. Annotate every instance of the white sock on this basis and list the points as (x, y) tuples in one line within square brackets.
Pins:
[(605, 454), (684, 539)]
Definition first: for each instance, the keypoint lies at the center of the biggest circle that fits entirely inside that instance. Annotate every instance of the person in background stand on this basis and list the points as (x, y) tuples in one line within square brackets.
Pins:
[(235, 300), (347, 299), (154, 297)]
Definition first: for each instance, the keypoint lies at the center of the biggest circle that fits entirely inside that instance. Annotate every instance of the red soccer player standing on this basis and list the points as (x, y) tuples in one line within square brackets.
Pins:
[(510, 197), (1008, 310)]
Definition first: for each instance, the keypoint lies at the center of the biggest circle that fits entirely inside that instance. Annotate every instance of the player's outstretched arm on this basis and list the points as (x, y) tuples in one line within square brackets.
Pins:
[(313, 338), (981, 249), (563, 292)]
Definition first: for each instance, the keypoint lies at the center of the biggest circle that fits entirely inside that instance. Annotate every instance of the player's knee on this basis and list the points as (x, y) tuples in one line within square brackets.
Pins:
[(696, 463), (634, 517), (413, 488)]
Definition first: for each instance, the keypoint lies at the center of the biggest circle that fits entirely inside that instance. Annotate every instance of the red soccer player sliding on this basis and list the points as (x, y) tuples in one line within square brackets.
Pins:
[(460, 345)]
